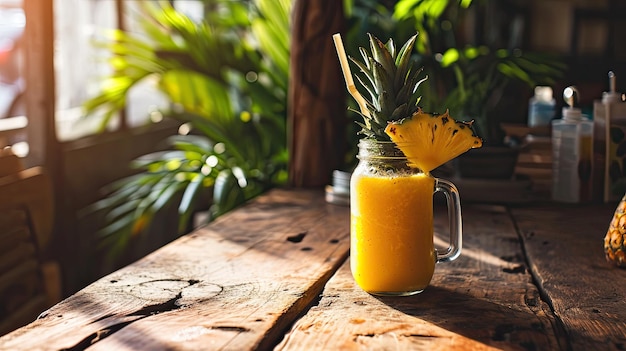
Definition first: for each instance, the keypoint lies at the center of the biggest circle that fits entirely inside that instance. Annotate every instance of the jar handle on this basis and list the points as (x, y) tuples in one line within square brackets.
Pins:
[(454, 219)]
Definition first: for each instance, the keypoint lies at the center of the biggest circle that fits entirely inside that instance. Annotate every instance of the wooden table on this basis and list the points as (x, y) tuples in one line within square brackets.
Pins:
[(274, 274)]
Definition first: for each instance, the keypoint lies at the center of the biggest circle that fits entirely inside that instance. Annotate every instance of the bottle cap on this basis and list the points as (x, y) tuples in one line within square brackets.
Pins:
[(611, 96), (571, 112), (543, 93)]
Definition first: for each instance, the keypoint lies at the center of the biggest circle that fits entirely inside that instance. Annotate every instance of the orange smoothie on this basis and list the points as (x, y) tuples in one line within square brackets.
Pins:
[(392, 247)]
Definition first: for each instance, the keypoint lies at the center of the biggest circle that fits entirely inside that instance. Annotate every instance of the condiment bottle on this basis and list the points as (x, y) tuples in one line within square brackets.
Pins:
[(572, 150), (541, 107), (609, 124)]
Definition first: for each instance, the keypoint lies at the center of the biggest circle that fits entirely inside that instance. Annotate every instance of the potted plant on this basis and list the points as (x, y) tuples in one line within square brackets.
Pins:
[(484, 77), (486, 82), (226, 80), (482, 82)]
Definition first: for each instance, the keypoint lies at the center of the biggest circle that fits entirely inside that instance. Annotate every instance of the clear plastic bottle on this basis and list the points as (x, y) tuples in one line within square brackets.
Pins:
[(609, 120), (541, 107), (572, 153)]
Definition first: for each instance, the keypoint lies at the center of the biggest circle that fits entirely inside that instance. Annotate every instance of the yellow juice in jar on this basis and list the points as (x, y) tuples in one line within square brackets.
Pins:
[(392, 247)]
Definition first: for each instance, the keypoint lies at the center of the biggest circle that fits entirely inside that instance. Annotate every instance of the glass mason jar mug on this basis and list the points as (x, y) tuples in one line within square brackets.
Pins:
[(392, 250)]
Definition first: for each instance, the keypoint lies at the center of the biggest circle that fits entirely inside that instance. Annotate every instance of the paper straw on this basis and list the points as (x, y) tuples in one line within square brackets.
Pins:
[(347, 75)]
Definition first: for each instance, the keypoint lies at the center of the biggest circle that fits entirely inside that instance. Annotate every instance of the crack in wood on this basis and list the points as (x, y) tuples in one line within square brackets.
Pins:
[(558, 324), (519, 269), (296, 238), (145, 311), (149, 310), (231, 328), (401, 335), (98, 336), (531, 301), (513, 258), (102, 318)]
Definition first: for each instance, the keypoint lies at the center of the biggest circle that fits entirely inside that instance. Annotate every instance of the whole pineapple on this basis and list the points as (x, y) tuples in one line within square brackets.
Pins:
[(615, 239), (391, 81)]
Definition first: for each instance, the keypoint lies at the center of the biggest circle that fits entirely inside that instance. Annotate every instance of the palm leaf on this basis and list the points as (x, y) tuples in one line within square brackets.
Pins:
[(201, 68)]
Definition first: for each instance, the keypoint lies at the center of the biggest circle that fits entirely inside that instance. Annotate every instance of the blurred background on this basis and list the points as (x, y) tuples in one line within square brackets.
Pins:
[(56, 57)]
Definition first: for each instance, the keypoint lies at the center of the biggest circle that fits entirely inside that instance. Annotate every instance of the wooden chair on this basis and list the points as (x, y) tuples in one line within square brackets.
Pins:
[(9, 163), (28, 285)]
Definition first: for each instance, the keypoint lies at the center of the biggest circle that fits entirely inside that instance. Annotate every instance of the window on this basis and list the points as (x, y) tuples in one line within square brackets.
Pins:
[(80, 65), (12, 23)]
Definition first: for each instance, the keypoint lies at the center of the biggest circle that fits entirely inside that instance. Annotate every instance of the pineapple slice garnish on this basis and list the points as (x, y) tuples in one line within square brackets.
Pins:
[(430, 140)]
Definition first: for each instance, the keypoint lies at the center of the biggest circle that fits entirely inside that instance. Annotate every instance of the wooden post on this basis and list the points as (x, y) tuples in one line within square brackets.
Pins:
[(317, 95), (44, 148)]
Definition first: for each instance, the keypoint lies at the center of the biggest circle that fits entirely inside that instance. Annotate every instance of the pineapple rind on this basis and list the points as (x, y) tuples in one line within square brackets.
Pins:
[(615, 239)]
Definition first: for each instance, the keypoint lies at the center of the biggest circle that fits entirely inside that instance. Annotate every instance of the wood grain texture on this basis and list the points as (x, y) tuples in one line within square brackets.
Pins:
[(483, 300), (243, 281), (317, 94), (564, 245), (235, 284)]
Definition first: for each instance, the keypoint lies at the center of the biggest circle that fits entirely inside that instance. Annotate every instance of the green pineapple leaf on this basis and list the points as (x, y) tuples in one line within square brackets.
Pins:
[(390, 80)]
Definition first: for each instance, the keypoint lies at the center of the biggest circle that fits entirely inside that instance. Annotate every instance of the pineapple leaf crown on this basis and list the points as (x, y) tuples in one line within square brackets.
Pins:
[(391, 80)]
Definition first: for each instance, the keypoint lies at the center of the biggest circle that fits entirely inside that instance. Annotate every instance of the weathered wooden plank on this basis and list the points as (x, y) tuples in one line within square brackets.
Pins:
[(483, 300), (564, 245), (236, 284)]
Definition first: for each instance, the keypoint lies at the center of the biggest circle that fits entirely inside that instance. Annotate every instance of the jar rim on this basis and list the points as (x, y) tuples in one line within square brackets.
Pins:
[(374, 141), (379, 149), (367, 141)]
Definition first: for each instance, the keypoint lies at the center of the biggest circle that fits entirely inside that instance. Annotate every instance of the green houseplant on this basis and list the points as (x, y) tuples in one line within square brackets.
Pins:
[(480, 81), (485, 82), (471, 79), (226, 80)]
